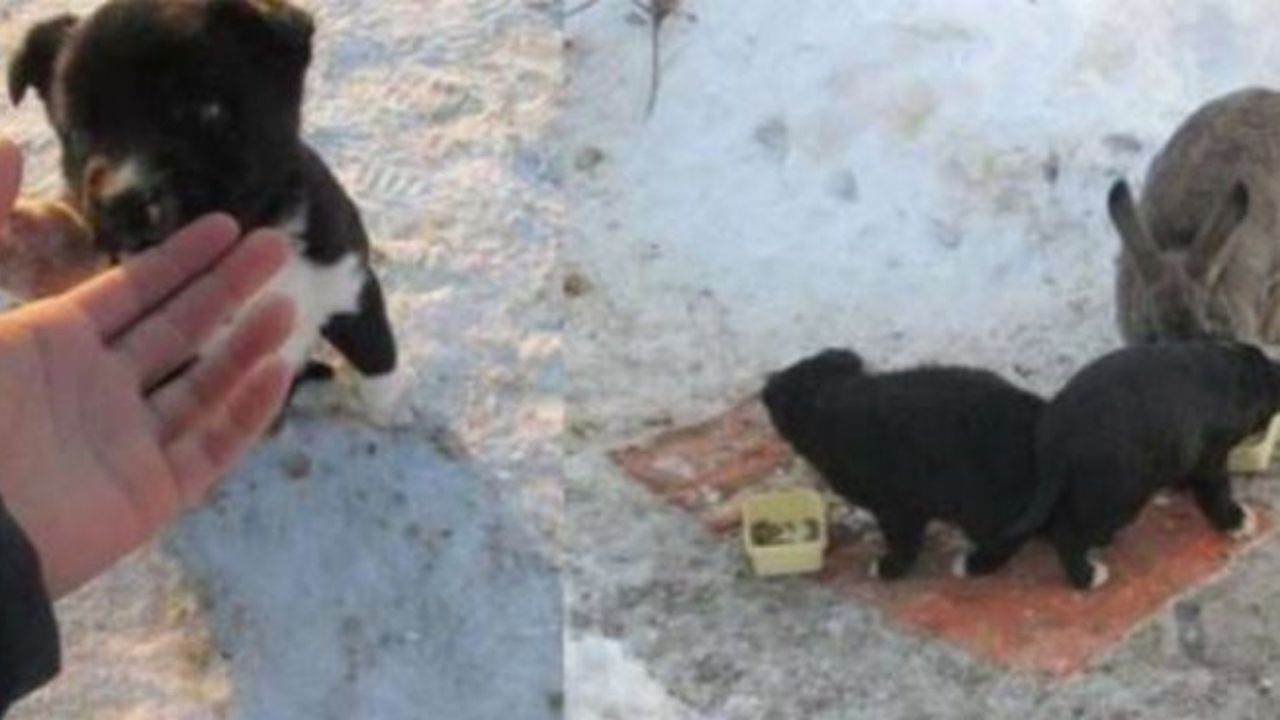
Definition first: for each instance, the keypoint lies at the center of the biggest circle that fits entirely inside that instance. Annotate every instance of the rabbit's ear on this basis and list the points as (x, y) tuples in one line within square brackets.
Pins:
[(1133, 232), (1271, 317), (1212, 246)]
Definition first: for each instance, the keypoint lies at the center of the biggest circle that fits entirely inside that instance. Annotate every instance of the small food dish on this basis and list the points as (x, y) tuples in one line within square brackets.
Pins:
[(1253, 455), (785, 531)]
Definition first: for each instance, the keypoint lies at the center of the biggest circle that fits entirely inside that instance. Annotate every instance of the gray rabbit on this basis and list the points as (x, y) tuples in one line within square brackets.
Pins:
[(1200, 253)]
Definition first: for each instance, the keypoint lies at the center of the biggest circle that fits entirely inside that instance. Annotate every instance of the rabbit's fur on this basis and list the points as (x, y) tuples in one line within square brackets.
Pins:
[(1200, 252)]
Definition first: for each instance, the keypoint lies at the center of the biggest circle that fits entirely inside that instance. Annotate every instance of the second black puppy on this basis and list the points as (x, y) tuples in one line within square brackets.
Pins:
[(933, 443), (1138, 420)]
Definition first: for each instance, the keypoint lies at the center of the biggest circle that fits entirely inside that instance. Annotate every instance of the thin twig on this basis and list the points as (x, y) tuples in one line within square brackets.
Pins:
[(658, 12)]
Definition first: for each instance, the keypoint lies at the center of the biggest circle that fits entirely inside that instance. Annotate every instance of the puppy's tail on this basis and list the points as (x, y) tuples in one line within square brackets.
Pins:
[(1040, 508)]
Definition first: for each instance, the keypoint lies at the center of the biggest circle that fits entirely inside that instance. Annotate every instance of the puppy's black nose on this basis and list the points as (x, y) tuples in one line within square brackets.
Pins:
[(130, 218), (123, 204)]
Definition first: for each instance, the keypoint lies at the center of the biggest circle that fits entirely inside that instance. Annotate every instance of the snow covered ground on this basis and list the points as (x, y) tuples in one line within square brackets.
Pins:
[(346, 572), (922, 181)]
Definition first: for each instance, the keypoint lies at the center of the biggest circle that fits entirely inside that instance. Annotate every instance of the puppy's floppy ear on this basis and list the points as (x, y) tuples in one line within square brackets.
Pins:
[(280, 31), (844, 360), (32, 65)]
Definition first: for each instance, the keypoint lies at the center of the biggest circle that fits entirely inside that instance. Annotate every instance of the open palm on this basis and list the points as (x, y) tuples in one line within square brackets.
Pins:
[(96, 453)]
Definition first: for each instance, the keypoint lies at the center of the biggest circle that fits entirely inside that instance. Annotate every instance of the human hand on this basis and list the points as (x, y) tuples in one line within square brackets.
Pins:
[(94, 456)]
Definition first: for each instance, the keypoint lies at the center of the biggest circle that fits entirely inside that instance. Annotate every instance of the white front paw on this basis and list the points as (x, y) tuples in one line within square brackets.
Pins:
[(1101, 574), (387, 400), (1248, 525)]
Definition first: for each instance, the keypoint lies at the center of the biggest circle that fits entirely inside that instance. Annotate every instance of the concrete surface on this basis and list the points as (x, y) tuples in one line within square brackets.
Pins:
[(923, 181), (345, 572)]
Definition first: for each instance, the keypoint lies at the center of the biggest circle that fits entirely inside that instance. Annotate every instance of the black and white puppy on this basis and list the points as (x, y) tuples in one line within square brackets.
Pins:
[(911, 446), (1138, 420), (170, 109)]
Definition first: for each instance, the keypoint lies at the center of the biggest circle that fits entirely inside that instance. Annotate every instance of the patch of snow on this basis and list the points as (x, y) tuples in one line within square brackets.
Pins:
[(620, 687)]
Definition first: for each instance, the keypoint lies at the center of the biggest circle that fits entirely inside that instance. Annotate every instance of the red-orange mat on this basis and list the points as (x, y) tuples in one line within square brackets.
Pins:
[(1025, 617)]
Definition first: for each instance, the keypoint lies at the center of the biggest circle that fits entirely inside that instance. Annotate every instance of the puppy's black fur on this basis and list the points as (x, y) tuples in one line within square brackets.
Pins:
[(945, 443), (169, 110), (1135, 421), (206, 94)]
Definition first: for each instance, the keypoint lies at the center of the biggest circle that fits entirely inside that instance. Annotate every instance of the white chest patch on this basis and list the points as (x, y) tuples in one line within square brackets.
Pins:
[(318, 293)]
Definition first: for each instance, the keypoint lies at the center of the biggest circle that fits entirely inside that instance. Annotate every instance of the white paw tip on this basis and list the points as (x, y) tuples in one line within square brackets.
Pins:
[(960, 565), (1248, 526), (873, 571), (385, 400), (1101, 574)]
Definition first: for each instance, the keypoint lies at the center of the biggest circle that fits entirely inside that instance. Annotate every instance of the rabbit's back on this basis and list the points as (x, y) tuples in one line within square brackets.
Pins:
[(1235, 137)]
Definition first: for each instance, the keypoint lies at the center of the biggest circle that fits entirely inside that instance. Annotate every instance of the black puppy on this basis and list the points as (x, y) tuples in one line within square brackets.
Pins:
[(1135, 421), (945, 443), (170, 110)]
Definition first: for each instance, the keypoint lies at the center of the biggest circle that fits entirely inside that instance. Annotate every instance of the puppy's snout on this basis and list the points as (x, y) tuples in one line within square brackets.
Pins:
[(132, 214), (126, 211)]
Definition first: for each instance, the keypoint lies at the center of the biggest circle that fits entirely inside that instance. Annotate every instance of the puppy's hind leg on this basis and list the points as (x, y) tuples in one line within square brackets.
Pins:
[(365, 339), (1213, 495), (904, 535), (984, 559), (1084, 572)]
